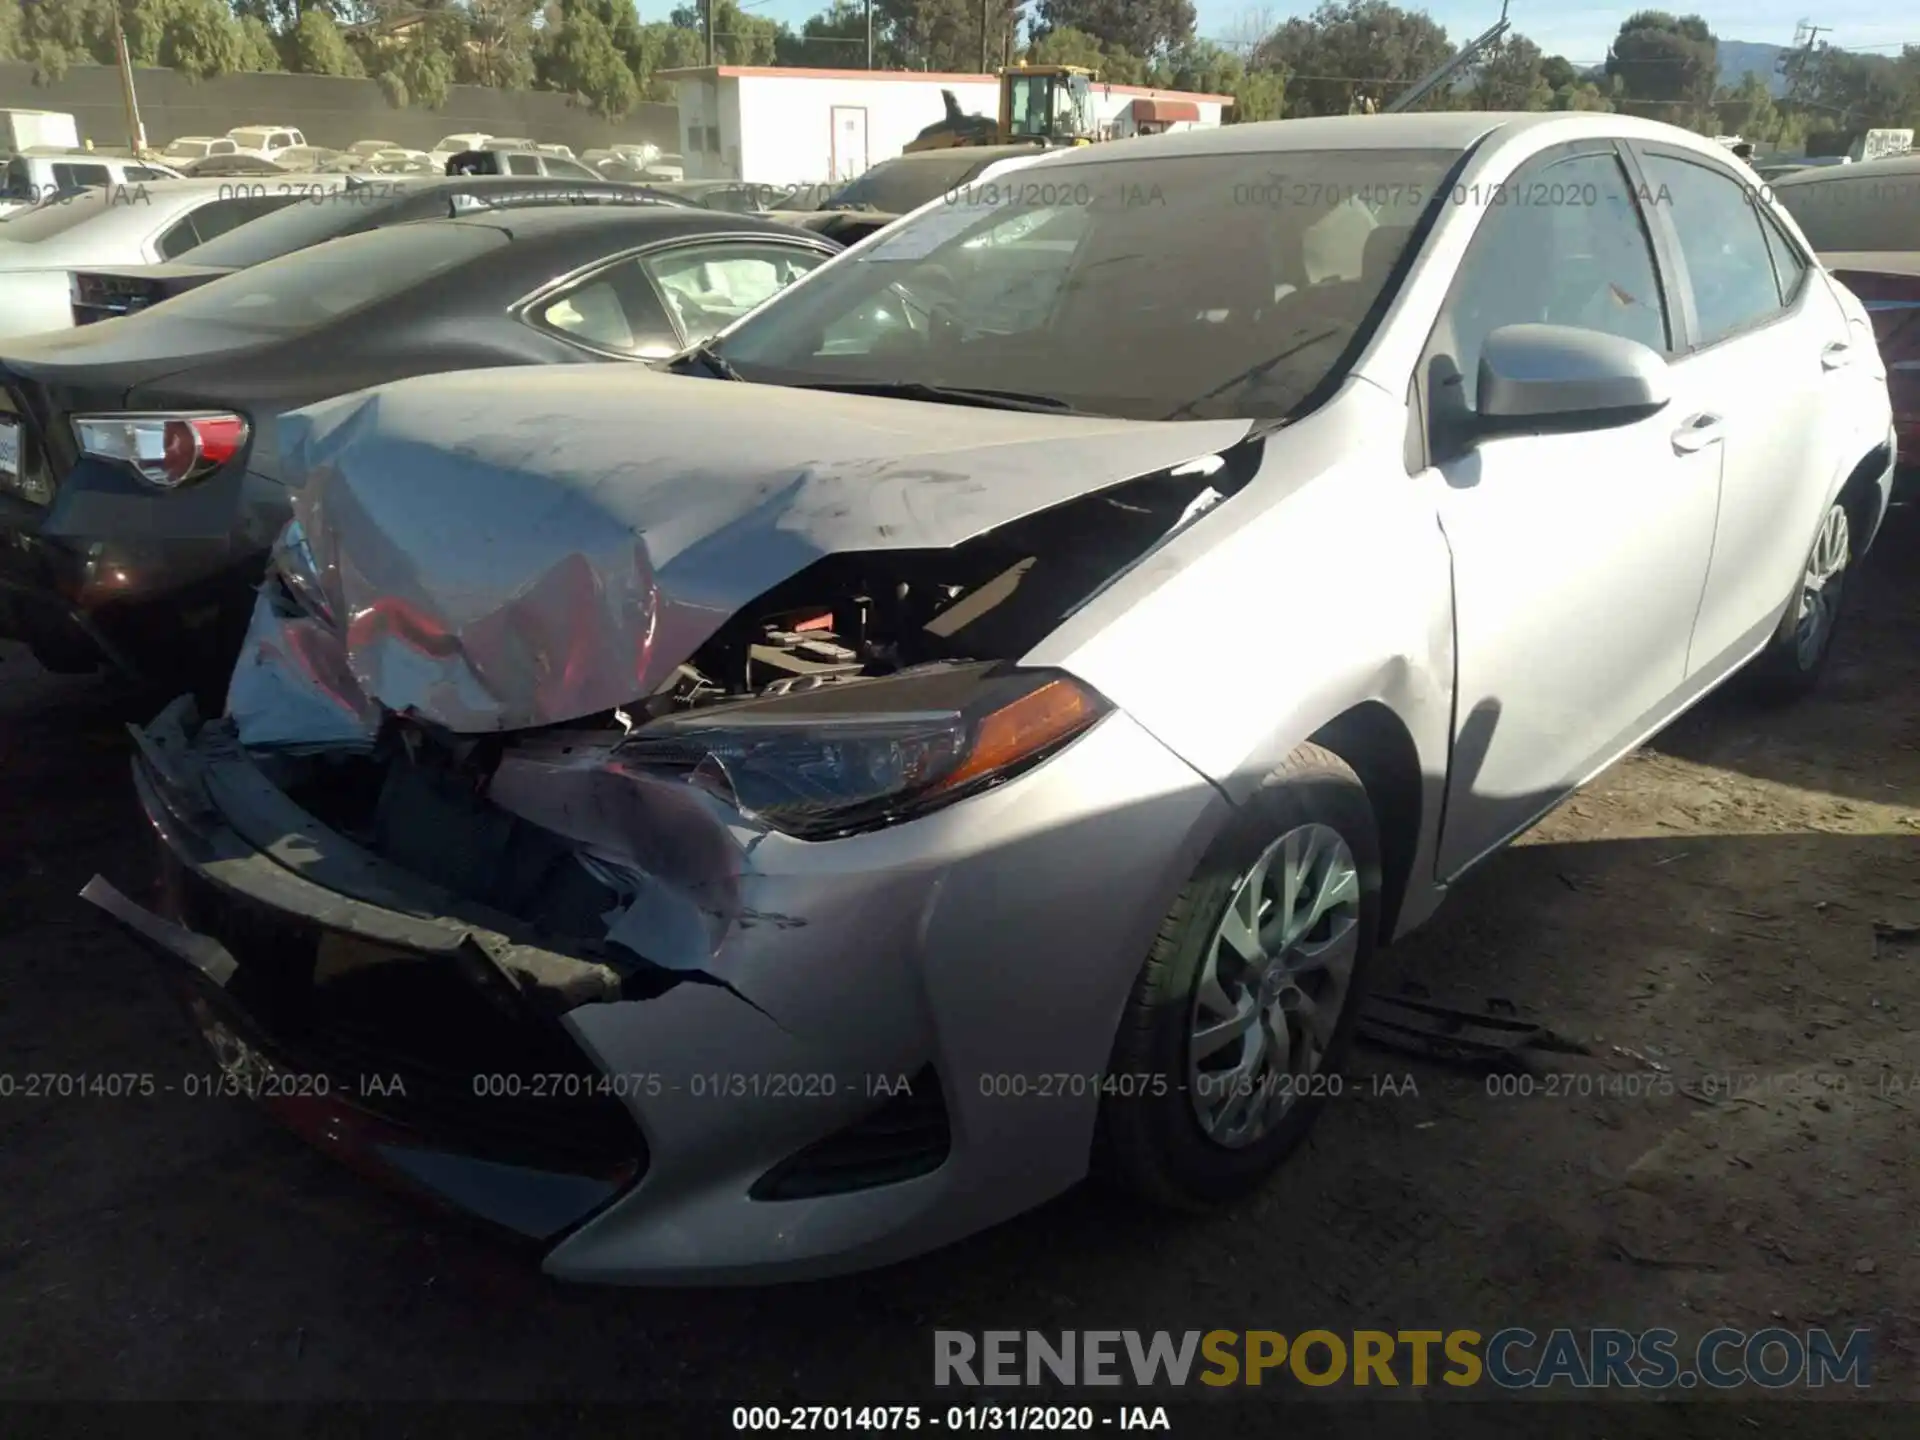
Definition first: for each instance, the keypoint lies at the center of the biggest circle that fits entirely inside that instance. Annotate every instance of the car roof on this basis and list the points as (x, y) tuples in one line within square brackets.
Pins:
[(982, 153), (669, 221), (1443, 130), (1889, 165)]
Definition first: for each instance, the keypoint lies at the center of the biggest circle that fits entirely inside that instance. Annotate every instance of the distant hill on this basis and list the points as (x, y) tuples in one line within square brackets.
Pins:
[(1738, 57)]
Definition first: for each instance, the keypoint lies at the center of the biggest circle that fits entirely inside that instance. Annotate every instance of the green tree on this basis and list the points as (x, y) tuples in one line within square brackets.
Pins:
[(257, 49), (316, 47), (738, 38), (1747, 109), (945, 34), (1135, 27), (1558, 72), (499, 44), (835, 39), (664, 46), (1351, 51), (1864, 91), (1666, 59), (1582, 95), (1258, 95), (1065, 45), (200, 39), (579, 57), (1512, 77), (54, 34), (425, 65)]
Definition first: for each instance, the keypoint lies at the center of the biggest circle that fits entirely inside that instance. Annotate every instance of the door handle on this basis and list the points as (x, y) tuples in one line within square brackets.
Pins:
[(1837, 355), (1698, 433)]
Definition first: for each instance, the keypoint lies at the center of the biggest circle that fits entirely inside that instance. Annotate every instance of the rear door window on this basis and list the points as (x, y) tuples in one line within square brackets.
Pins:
[(709, 285), (1735, 286), (18, 185), (522, 165), (79, 177), (216, 219)]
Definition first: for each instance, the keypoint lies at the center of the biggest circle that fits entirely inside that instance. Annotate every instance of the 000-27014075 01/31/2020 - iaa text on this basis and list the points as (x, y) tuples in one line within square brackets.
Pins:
[(987, 1418)]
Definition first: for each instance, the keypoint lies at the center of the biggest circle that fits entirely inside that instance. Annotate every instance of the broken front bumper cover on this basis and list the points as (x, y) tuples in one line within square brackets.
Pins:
[(741, 1123)]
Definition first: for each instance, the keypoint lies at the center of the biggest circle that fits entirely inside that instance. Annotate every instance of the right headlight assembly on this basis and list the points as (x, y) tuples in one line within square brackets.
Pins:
[(866, 753)]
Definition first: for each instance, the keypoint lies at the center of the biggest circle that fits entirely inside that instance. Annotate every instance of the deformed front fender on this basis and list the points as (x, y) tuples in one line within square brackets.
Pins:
[(1324, 585)]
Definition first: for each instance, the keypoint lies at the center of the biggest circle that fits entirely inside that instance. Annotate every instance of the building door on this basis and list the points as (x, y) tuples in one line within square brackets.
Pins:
[(849, 141)]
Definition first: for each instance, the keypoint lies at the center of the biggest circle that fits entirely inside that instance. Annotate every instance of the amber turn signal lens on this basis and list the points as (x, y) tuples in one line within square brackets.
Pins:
[(1035, 722)]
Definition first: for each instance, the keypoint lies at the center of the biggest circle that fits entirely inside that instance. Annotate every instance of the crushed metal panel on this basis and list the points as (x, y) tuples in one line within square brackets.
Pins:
[(527, 548)]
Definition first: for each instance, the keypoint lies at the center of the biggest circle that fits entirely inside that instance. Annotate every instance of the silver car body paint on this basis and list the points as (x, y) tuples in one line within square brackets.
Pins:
[(565, 539), (999, 937)]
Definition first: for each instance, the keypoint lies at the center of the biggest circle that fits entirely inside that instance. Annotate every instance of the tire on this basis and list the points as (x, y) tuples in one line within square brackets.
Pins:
[(1152, 1141), (1788, 668)]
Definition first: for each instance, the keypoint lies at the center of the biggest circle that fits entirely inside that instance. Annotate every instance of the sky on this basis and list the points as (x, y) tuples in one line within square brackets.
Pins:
[(1579, 32)]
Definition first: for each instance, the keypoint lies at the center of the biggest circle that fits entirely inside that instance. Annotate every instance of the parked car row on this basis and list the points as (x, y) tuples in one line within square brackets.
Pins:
[(897, 724), (277, 149)]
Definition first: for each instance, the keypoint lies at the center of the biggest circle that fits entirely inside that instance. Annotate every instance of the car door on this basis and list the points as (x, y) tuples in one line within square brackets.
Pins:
[(1769, 343), (1578, 558)]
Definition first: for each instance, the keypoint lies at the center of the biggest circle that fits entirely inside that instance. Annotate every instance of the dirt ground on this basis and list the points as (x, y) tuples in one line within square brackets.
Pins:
[(1706, 912)]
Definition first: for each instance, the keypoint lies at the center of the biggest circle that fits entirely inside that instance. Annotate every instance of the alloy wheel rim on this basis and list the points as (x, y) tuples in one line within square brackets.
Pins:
[(1273, 984), (1820, 588)]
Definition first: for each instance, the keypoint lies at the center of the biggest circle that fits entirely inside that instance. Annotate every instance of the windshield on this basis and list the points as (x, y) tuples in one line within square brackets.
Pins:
[(893, 187), (1162, 288), (1845, 212), (312, 287), (296, 226)]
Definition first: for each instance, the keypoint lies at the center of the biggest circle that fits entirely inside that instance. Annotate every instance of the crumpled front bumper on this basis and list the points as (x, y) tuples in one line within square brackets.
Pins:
[(956, 979)]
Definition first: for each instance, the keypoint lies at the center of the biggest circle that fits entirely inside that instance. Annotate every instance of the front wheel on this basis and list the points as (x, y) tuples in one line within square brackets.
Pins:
[(1791, 664), (1245, 1007)]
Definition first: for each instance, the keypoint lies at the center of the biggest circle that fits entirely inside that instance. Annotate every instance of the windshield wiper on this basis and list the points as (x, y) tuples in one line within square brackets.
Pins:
[(1247, 377), (716, 363), (947, 395)]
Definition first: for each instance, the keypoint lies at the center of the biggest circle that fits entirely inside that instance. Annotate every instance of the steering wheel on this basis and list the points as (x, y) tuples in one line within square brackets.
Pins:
[(932, 304)]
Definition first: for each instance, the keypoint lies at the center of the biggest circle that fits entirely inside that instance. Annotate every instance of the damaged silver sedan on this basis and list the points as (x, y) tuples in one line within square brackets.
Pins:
[(974, 724)]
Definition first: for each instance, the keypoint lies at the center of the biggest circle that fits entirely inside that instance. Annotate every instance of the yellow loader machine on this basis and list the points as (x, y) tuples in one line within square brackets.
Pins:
[(1040, 104)]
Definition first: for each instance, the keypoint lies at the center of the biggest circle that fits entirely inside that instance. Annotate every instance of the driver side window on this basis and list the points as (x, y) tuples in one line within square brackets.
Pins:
[(1562, 243)]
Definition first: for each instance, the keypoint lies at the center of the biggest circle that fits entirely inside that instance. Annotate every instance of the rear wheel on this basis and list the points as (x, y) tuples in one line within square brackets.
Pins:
[(1239, 1021), (1791, 664)]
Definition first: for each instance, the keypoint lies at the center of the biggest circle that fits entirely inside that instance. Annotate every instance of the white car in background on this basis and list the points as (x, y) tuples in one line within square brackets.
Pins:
[(449, 146), (189, 148), (37, 174), (144, 224), (305, 158), (265, 142)]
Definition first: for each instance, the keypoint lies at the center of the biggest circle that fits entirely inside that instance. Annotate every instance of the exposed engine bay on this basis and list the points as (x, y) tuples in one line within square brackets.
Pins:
[(594, 834)]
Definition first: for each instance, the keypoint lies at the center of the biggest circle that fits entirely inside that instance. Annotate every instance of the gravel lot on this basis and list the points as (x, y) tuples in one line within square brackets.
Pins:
[(1709, 907)]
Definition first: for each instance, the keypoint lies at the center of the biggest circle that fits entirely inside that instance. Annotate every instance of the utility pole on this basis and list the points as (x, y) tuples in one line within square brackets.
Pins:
[(869, 34), (1447, 69), (136, 132), (1793, 64), (986, 9), (709, 10)]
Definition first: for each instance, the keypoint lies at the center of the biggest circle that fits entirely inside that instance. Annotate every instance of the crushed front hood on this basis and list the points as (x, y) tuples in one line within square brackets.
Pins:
[(518, 548)]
